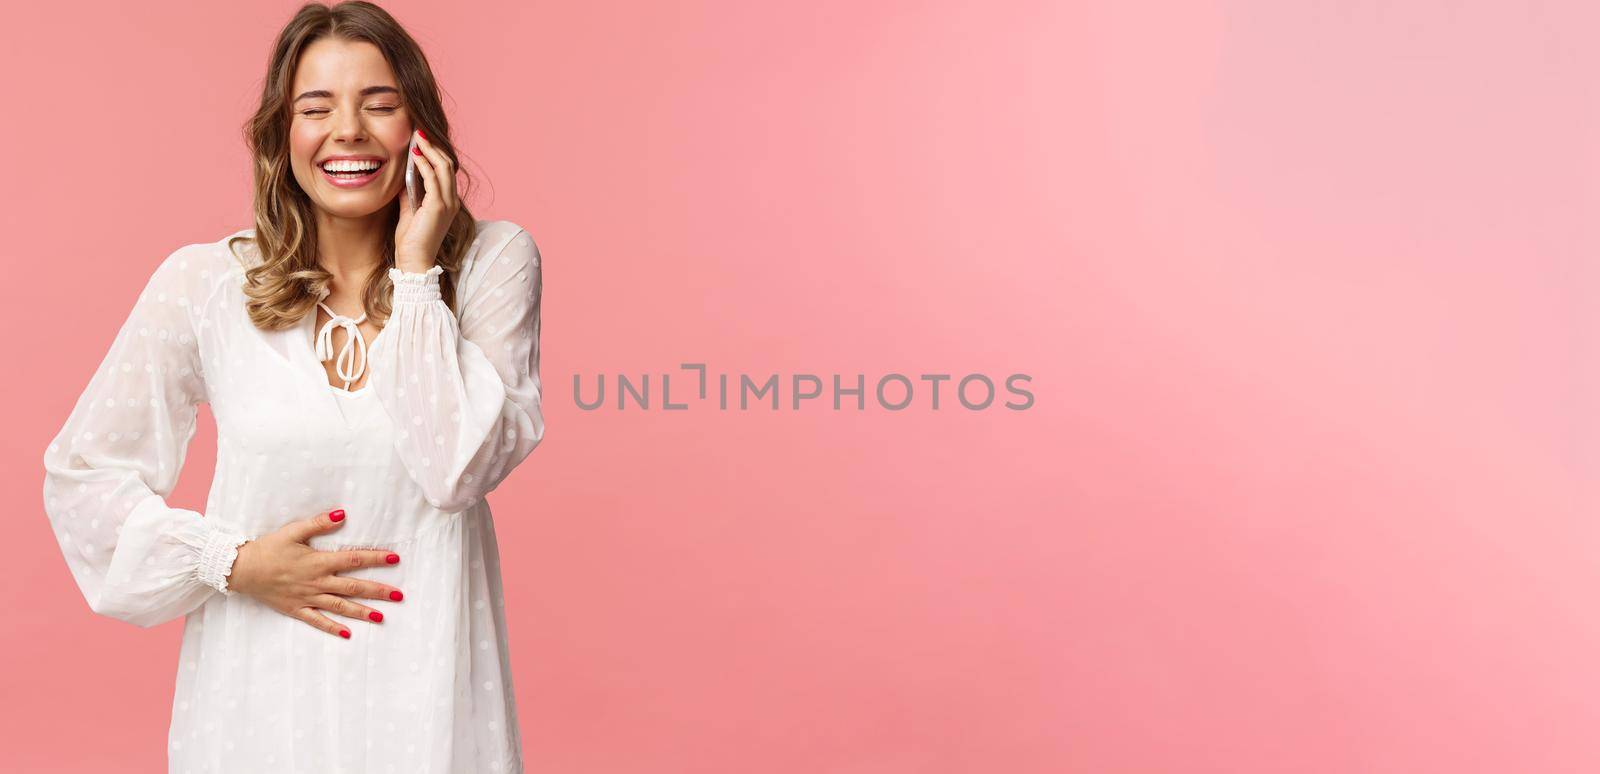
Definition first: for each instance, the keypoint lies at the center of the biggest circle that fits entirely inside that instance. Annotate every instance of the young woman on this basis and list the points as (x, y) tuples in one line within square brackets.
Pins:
[(373, 368)]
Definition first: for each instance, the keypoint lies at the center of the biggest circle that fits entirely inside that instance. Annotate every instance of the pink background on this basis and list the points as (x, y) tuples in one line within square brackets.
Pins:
[(1306, 291)]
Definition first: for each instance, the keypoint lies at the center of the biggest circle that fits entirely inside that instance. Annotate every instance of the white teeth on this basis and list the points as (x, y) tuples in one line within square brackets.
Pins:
[(350, 166)]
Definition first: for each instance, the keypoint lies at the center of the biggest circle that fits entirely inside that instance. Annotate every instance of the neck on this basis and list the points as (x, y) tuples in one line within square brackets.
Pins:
[(350, 248)]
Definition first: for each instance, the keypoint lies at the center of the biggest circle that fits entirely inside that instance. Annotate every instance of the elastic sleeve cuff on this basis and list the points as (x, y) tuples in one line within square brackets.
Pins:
[(217, 558), (414, 287)]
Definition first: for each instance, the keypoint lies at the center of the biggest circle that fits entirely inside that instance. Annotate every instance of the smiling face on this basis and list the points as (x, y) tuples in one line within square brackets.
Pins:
[(347, 104)]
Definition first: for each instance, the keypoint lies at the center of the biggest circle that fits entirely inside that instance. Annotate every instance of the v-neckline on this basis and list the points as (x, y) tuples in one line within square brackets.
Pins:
[(301, 353), (305, 345)]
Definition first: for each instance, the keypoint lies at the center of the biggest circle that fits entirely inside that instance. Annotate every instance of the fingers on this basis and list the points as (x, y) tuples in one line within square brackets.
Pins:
[(322, 622), (346, 608), (425, 173), (364, 589), (339, 561), (305, 529), (441, 171)]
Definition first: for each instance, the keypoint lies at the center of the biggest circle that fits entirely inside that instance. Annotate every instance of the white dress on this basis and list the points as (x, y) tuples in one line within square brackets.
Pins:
[(450, 407)]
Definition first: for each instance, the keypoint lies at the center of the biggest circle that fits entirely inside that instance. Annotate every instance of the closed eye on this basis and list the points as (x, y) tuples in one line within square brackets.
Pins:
[(385, 108)]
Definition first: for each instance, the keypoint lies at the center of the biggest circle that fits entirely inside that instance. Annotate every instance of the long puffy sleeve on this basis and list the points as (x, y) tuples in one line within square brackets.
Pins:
[(110, 468), (464, 394)]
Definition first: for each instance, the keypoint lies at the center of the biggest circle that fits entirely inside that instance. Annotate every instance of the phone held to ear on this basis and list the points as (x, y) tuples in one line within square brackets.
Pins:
[(413, 185)]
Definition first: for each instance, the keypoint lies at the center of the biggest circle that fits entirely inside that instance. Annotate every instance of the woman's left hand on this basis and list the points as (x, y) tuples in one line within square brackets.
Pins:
[(420, 232)]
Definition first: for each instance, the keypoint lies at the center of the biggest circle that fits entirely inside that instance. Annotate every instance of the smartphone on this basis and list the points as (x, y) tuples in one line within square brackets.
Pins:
[(413, 185)]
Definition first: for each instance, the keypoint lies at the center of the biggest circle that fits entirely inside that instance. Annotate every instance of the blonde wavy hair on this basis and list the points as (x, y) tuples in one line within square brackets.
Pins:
[(286, 281)]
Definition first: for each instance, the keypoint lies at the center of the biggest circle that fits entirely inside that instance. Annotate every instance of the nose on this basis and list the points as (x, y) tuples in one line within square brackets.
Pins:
[(349, 126)]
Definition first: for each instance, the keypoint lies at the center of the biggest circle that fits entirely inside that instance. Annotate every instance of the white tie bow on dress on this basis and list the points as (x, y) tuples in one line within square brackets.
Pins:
[(346, 366)]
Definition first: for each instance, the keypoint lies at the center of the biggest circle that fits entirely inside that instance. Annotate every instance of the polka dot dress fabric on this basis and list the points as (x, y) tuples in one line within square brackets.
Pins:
[(450, 407)]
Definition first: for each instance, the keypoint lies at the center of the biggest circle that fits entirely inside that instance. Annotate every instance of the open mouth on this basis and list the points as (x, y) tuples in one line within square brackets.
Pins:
[(351, 174)]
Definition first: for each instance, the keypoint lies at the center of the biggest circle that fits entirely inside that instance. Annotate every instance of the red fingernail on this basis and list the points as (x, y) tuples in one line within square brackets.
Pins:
[(417, 151), (337, 515), (422, 134), (396, 596), (375, 615), (345, 633), (393, 558)]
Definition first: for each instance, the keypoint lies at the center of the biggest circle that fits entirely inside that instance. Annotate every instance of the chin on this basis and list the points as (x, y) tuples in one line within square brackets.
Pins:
[(356, 206)]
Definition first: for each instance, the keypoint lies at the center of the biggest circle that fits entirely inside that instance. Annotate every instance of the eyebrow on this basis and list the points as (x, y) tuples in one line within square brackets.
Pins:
[(364, 92)]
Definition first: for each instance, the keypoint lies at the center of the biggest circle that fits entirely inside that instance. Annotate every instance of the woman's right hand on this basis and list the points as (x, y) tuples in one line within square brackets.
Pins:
[(293, 578)]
